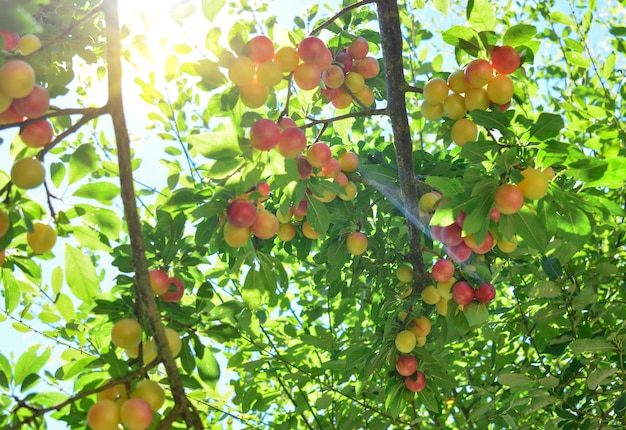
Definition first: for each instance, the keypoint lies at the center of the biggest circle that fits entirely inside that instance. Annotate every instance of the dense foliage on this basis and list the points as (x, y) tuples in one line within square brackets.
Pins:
[(300, 330)]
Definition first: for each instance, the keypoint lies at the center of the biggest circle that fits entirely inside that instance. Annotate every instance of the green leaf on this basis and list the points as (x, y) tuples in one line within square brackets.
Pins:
[(82, 162), (562, 18), (11, 291), (519, 34), (530, 228), (225, 311), (80, 274), (476, 314), (600, 377), (318, 216), (65, 306), (104, 192), (482, 15), (216, 145), (513, 379), (447, 186), (211, 8), (596, 346), (463, 37), (494, 119), (613, 174), (29, 362), (477, 152), (552, 267), (547, 126)]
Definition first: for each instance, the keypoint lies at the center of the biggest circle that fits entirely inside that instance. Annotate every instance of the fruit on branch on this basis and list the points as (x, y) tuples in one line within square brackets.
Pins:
[(305, 170), (420, 327), (5, 223), (485, 293), (494, 214), (333, 76), (28, 44), (42, 238), (148, 351), (454, 106), (37, 134), (175, 290), (241, 213), (535, 184), (354, 82), (464, 130), (349, 162), (173, 341), (356, 242), (365, 97), (442, 306), (10, 115), (236, 236), (332, 169), (508, 199), (476, 98), (457, 82), (35, 104), (241, 70), (312, 50), (505, 59), (451, 235), (28, 173), (260, 49), (308, 231), (345, 60), (286, 232), (136, 414), (432, 111), (358, 49), (500, 89), (405, 273), (319, 154), (253, 94), (300, 209), (11, 40), (368, 67), (269, 74), (342, 179), (430, 295), (104, 415), (478, 72), (159, 281), (416, 384), (265, 225), (291, 142), (307, 76), (126, 333), (507, 246), (435, 91), (406, 365), (341, 99), (327, 196), (445, 288), (405, 341), (462, 293), (459, 253), (442, 270), (151, 392), (482, 248), (350, 192), (17, 79), (549, 172), (115, 392), (287, 58)]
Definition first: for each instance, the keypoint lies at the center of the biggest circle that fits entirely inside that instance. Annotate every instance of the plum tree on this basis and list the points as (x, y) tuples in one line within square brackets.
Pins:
[(179, 151)]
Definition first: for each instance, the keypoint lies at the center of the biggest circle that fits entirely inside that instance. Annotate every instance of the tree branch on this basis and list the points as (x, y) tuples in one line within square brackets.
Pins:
[(142, 281), (338, 14), (391, 42)]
